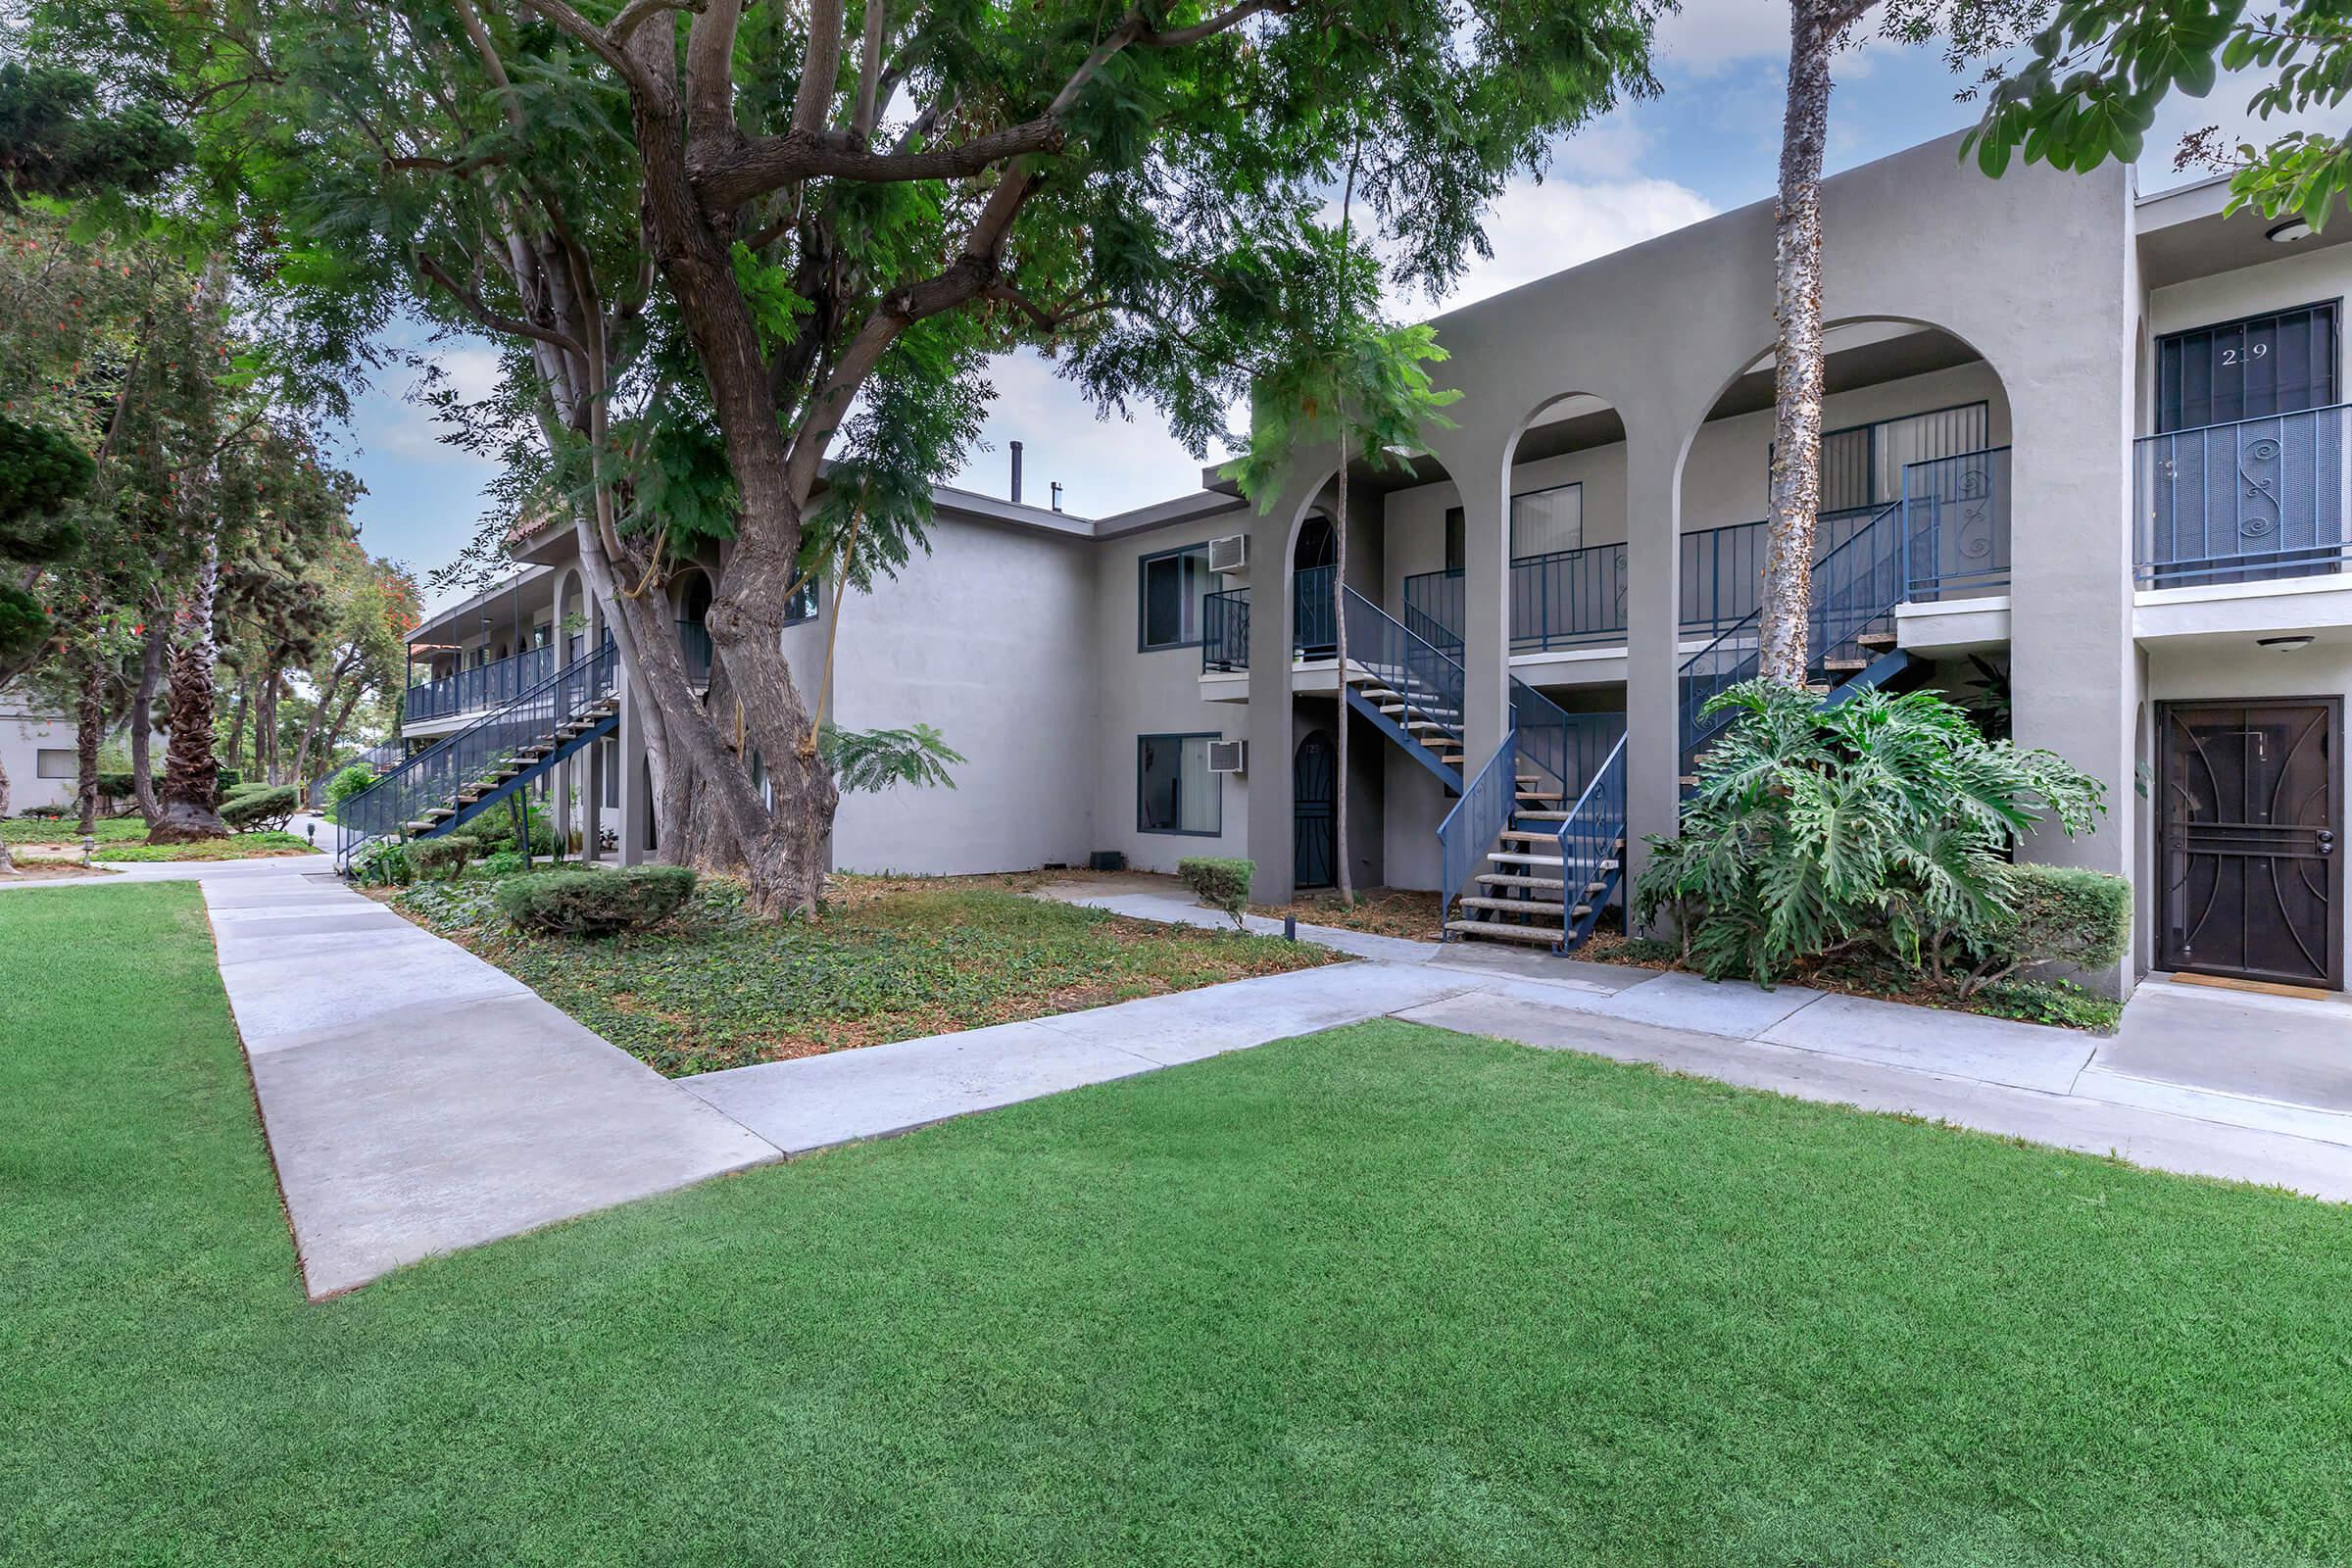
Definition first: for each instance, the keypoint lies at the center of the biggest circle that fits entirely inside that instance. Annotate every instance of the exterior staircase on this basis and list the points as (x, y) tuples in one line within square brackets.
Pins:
[(1534, 849), (485, 764), (1410, 690)]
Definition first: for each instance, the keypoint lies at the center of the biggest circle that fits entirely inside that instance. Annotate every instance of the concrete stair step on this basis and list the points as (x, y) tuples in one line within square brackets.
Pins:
[(1527, 836), (1883, 641), (1522, 857), (1846, 665), (1505, 879), (1516, 905), (1546, 936), (1525, 815)]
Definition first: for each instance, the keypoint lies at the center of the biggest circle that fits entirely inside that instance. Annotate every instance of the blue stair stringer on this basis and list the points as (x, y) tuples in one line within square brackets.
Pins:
[(461, 776)]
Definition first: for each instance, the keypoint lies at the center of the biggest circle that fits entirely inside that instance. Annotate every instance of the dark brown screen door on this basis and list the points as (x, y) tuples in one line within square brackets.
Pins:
[(2252, 880)]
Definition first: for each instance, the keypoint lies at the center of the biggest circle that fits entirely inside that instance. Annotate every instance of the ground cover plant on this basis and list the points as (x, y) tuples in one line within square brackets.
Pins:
[(1380, 1296), (123, 839), (714, 986), (245, 845)]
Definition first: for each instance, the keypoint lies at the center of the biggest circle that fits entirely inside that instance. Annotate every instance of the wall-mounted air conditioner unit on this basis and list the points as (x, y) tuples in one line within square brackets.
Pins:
[(1230, 555), (1229, 757)]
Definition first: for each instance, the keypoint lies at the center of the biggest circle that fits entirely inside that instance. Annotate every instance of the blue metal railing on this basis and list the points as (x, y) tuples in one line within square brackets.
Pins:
[(1314, 617), (1567, 748), (1589, 840), (2251, 501), (1425, 676), (1956, 524), (1856, 585), (484, 686), (1484, 809), (1576, 598), (435, 776), (1225, 630), (694, 647)]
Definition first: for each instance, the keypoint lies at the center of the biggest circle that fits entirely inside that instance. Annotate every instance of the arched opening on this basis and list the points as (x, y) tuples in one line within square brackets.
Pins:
[(1314, 558), (1914, 510)]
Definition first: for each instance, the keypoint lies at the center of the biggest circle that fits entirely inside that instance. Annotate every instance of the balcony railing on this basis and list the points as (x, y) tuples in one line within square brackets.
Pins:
[(2252, 501), (1956, 525), (1314, 617), (484, 686), (1225, 630)]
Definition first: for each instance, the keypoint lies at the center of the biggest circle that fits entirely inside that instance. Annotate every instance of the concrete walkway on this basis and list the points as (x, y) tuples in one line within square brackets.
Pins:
[(418, 1100), (2196, 1080)]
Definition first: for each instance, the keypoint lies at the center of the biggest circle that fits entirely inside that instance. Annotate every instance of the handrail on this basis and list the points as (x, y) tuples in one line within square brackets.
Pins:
[(1589, 838), (1487, 805), (1839, 619), (436, 775), (1566, 746), (1428, 680)]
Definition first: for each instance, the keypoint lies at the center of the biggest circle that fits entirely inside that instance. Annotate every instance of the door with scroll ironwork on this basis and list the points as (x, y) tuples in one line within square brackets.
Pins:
[(2251, 878)]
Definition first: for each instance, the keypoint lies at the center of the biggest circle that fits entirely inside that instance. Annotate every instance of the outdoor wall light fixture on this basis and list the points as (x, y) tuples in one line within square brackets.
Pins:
[(2287, 231), (2285, 645)]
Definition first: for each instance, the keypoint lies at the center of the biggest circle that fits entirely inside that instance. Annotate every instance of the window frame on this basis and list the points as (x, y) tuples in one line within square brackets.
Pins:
[(71, 765), (1143, 598), (2156, 342), (1142, 825), (811, 591), (1871, 459)]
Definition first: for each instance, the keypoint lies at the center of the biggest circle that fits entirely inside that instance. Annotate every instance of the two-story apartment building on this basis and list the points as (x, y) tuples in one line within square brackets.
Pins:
[(2087, 462)]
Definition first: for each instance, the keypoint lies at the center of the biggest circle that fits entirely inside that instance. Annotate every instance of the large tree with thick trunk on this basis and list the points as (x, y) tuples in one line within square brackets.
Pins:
[(752, 260)]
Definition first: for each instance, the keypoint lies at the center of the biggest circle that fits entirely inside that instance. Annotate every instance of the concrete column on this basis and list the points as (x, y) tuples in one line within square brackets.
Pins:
[(565, 771), (1272, 734), (634, 806), (2074, 669), (1654, 632), (1484, 486), (592, 800)]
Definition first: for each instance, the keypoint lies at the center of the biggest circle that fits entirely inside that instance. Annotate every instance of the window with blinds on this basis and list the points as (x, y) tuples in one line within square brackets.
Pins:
[(1862, 465), (1544, 521)]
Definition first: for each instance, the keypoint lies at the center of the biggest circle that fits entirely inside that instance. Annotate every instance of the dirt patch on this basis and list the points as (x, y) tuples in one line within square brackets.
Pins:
[(1379, 911), (42, 870)]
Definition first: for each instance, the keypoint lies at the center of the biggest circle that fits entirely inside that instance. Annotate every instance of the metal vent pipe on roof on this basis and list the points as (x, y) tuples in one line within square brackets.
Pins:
[(1016, 473)]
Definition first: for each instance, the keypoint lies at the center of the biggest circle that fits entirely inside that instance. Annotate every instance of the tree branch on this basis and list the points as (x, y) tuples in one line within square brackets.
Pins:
[(820, 68), (638, 11), (496, 322), (770, 163)]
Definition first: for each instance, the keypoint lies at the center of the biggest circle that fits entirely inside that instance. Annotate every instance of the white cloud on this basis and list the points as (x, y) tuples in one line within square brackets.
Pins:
[(1541, 229), (394, 423), (1105, 465), (1705, 35)]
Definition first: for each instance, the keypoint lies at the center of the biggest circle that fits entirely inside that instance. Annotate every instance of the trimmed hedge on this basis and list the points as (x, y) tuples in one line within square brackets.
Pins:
[(2057, 914), (442, 859), (1218, 882), (596, 904), (265, 806)]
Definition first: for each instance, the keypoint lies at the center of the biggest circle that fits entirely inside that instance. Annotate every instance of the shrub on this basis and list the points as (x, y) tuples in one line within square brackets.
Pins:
[(595, 904), (1221, 884), (2055, 915), (225, 779), (345, 784), (116, 786), (494, 830), (1883, 819), (384, 865), (442, 859), (49, 812), (267, 807)]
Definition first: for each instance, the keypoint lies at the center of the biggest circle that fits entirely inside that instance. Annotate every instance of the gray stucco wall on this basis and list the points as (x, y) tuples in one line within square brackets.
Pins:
[(986, 638)]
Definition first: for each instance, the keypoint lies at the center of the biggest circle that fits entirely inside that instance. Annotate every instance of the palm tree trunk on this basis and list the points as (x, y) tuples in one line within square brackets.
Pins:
[(1782, 656), (1338, 608), (152, 649), (8, 865), (190, 807)]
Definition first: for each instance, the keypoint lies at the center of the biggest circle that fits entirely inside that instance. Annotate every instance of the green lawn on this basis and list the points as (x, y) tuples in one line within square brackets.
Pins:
[(1384, 1295), (716, 987)]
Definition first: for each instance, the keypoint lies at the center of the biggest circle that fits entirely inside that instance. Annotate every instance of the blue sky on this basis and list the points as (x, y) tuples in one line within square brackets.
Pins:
[(1710, 142)]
